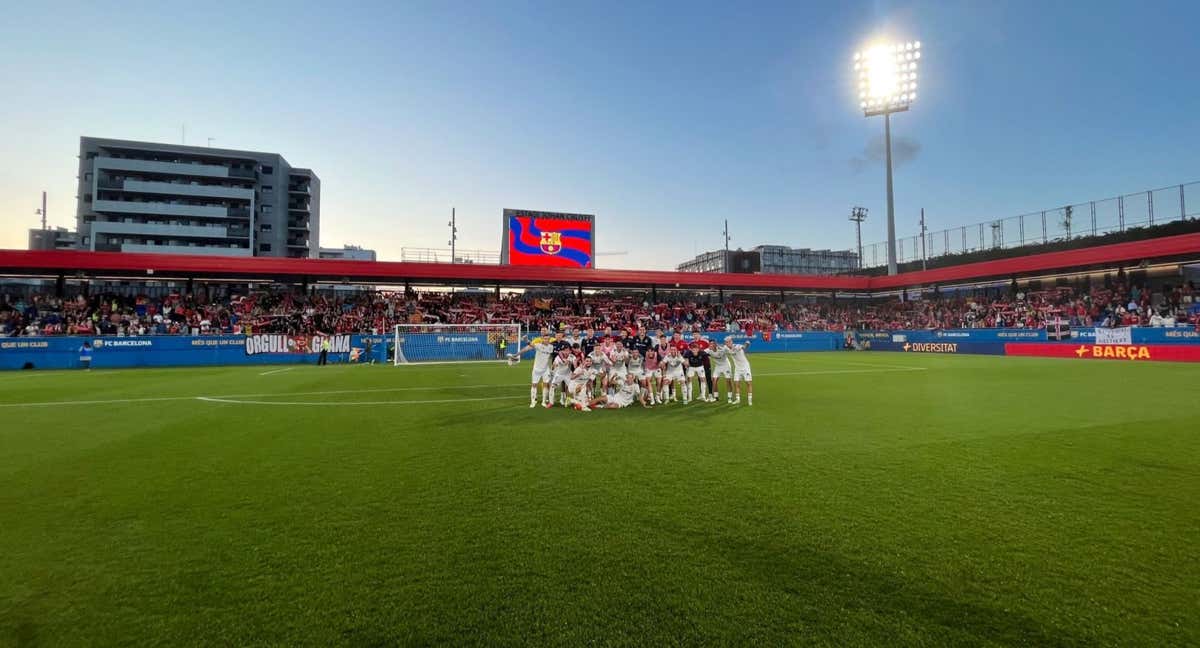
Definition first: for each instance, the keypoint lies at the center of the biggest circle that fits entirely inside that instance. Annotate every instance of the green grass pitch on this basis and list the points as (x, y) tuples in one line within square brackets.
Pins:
[(865, 499)]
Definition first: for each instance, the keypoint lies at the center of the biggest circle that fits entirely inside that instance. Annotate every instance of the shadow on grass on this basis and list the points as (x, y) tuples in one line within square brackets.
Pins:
[(807, 574)]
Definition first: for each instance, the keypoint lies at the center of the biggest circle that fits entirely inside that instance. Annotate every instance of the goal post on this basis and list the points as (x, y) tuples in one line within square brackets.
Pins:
[(445, 343)]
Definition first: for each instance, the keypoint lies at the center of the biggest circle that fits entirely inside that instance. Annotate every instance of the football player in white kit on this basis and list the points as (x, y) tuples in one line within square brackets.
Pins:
[(561, 369), (672, 368), (722, 368), (543, 350), (619, 357), (580, 385), (600, 367), (637, 367), (624, 396), (741, 370)]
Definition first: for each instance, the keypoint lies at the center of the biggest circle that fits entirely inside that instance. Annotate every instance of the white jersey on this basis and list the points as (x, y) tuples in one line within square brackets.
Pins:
[(636, 365), (599, 359), (582, 375), (673, 365), (542, 352), (619, 360), (720, 354), (563, 367), (738, 354), (627, 394)]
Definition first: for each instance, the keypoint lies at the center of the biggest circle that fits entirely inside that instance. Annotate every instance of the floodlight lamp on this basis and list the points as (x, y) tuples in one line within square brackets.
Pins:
[(917, 45), (917, 55)]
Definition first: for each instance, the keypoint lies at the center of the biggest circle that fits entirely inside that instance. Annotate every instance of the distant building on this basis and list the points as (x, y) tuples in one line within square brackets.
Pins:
[(169, 198), (59, 238), (347, 252), (774, 259)]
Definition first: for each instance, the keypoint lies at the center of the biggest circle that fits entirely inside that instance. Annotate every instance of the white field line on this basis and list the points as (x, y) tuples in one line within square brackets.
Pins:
[(335, 392), (276, 371), (843, 371), (209, 399), (853, 363)]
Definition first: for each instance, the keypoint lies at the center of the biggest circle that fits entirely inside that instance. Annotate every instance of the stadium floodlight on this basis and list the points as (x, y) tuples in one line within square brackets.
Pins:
[(887, 83)]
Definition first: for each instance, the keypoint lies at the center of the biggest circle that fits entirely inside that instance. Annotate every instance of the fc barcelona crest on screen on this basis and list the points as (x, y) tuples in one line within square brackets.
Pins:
[(552, 239), (551, 242)]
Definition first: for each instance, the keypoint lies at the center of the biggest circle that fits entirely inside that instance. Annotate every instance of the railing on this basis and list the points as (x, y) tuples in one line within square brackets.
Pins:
[(433, 255), (1094, 218), (241, 173)]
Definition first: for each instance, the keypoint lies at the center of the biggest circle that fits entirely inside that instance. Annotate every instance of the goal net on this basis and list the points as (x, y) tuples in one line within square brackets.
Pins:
[(441, 343)]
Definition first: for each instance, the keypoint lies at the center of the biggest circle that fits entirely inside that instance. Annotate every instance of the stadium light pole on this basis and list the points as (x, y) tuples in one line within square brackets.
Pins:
[(453, 225), (725, 264), (858, 215), (887, 83)]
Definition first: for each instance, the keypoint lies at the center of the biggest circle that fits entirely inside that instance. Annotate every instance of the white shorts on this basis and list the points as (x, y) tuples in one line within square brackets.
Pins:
[(654, 373), (742, 374), (618, 374), (694, 372), (561, 378), (722, 370), (638, 373), (673, 375), (576, 385), (540, 376)]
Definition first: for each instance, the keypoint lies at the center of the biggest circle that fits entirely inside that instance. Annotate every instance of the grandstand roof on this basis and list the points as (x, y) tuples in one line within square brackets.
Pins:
[(170, 266)]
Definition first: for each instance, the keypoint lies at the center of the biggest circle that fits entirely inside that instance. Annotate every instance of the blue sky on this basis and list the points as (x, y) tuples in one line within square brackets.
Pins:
[(662, 119)]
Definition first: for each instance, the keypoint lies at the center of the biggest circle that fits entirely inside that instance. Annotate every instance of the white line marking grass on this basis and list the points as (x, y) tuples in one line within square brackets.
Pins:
[(239, 398), (209, 399), (276, 371)]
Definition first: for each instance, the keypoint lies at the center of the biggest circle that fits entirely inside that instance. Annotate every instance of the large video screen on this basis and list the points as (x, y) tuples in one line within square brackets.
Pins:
[(548, 239)]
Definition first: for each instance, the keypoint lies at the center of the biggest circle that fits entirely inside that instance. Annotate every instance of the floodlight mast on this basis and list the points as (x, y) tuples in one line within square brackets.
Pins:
[(887, 83)]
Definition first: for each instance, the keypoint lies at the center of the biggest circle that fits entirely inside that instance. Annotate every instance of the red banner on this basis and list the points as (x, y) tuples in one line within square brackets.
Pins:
[(1172, 352)]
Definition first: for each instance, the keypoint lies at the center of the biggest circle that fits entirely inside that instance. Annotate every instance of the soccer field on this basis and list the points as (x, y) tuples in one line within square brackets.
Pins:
[(865, 499)]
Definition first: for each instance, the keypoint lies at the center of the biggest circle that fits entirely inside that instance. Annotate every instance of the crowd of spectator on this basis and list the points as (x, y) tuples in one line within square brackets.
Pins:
[(377, 312)]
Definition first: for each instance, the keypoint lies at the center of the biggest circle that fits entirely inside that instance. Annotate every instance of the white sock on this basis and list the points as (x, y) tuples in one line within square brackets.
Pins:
[(533, 394), (750, 398)]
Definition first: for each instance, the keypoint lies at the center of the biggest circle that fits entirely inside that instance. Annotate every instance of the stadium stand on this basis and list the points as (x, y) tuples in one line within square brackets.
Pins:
[(1117, 303)]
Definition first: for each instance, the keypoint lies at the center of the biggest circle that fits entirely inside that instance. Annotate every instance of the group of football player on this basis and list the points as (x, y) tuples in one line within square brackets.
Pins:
[(613, 370)]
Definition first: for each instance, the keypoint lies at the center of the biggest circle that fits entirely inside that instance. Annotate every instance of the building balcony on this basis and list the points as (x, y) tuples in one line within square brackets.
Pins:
[(298, 225), (298, 189), (199, 250), (160, 230), (249, 174), (163, 209), (196, 190), (297, 243), (166, 168)]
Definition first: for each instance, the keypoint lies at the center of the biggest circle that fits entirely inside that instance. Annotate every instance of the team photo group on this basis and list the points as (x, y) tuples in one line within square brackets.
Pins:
[(617, 370)]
